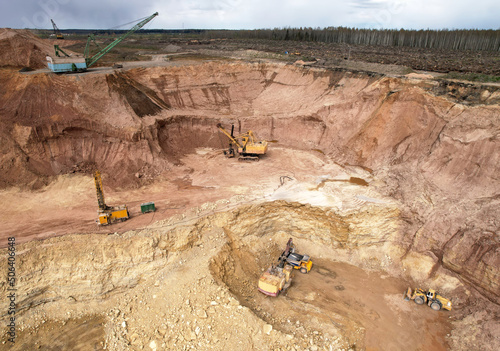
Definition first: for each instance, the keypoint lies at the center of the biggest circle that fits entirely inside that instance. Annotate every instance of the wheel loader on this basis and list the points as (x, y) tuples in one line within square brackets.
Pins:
[(430, 297)]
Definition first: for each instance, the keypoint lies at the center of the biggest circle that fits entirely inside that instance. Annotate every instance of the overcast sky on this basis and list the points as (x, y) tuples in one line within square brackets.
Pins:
[(253, 14)]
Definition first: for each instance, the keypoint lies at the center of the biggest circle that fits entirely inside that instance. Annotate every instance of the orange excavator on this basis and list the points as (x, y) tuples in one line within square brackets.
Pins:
[(248, 147), (278, 278)]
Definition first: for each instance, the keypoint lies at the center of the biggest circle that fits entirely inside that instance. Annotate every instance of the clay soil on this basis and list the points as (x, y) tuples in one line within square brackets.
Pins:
[(387, 180), (367, 307)]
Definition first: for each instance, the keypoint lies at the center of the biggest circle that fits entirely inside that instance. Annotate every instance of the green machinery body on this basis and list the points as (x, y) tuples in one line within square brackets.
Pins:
[(65, 63)]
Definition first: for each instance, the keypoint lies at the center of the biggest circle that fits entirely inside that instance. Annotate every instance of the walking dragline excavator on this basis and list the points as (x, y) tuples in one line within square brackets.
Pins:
[(62, 62)]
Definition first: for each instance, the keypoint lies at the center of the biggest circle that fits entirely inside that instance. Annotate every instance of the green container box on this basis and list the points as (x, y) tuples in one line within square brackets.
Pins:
[(148, 207)]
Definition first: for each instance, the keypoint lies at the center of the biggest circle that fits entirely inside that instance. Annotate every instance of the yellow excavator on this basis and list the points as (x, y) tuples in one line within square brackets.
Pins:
[(430, 297), (278, 278), (248, 147), (108, 214)]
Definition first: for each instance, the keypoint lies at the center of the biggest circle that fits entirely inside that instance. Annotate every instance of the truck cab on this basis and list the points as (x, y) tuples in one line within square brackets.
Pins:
[(431, 294)]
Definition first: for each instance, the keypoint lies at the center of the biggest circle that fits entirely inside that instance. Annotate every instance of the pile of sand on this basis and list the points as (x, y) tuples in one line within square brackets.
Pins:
[(21, 48), (419, 76)]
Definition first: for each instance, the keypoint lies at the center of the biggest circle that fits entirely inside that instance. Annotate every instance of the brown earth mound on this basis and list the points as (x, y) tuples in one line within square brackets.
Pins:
[(21, 48)]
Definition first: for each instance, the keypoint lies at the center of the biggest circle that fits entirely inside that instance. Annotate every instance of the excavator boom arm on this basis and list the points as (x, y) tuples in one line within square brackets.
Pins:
[(229, 135), (54, 26), (57, 32), (96, 57), (90, 38), (99, 192), (58, 50)]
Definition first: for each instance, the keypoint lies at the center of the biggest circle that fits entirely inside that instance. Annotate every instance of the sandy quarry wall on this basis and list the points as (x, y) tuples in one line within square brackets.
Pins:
[(102, 266), (438, 156), (143, 117), (21, 48)]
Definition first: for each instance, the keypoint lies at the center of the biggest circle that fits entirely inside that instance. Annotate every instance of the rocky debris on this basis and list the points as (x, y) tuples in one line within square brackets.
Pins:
[(267, 329), (480, 325)]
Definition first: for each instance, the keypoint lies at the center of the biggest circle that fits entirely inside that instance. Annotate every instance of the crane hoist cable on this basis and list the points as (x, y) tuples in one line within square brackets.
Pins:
[(80, 64), (129, 23), (91, 60)]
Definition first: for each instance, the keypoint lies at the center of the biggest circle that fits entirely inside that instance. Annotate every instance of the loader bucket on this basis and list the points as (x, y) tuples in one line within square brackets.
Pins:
[(407, 295)]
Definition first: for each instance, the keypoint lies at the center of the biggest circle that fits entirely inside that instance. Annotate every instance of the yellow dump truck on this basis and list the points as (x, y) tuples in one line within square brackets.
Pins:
[(300, 262), (430, 297)]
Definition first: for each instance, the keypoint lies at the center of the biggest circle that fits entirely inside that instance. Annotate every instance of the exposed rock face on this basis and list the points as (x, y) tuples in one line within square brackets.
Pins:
[(368, 231), (439, 158), (174, 283), (94, 270), (435, 160)]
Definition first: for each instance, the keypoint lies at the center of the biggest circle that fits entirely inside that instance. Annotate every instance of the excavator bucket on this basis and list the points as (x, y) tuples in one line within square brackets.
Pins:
[(407, 295)]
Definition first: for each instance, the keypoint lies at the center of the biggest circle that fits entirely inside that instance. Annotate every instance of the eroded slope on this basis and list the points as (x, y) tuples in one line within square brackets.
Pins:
[(136, 124), (435, 159)]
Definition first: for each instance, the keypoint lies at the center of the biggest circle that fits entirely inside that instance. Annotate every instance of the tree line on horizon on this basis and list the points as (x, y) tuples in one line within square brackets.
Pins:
[(462, 39)]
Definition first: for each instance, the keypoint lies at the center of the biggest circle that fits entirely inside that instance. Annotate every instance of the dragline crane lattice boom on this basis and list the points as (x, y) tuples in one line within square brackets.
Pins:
[(57, 32), (81, 63)]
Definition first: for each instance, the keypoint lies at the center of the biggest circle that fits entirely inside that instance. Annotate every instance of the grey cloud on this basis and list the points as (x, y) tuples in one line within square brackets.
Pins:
[(71, 13), (368, 4), (105, 14)]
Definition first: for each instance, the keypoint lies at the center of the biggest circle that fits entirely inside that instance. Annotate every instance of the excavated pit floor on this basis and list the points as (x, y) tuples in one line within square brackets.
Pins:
[(336, 299), (184, 285), (381, 181)]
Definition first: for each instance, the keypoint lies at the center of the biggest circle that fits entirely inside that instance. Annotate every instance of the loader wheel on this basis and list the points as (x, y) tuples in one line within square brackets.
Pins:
[(436, 306), (303, 270), (419, 300)]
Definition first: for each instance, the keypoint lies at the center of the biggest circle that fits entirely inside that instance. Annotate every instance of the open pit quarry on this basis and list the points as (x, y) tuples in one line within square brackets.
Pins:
[(385, 181)]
